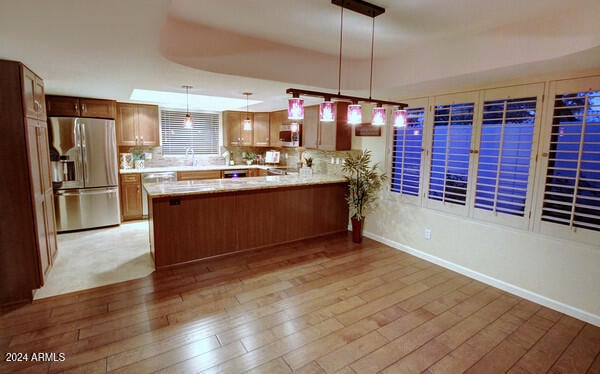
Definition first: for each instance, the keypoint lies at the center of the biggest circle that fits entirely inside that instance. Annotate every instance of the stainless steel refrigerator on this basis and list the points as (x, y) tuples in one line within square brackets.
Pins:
[(85, 172)]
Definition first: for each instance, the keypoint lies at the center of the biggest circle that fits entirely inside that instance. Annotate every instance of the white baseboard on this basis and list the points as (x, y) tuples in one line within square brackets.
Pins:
[(508, 287)]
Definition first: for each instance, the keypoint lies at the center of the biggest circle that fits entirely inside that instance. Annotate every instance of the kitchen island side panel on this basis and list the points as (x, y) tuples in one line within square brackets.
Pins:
[(194, 227)]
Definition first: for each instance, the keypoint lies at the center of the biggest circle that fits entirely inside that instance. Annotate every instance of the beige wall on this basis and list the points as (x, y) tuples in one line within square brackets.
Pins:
[(561, 274)]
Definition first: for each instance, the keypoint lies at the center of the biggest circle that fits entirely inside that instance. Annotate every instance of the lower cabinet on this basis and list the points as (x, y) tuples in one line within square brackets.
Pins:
[(198, 174), (257, 173), (131, 196)]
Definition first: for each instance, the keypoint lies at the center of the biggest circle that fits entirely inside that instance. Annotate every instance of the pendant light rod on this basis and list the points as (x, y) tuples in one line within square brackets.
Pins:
[(372, 44), (340, 59), (247, 94), (338, 97)]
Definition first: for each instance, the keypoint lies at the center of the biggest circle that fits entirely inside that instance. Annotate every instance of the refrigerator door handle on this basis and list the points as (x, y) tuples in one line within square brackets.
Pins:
[(84, 152), (80, 192)]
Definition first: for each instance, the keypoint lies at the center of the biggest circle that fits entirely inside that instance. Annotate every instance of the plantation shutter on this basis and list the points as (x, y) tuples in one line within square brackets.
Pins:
[(451, 152), (406, 154), (202, 138), (572, 185), (506, 140)]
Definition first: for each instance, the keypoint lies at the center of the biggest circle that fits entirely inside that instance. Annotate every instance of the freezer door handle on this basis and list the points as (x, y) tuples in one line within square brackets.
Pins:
[(86, 176), (102, 191)]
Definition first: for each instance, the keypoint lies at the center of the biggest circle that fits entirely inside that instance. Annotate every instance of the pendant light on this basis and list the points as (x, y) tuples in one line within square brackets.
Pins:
[(295, 108), (378, 115), (187, 122), (327, 108), (400, 117), (247, 122)]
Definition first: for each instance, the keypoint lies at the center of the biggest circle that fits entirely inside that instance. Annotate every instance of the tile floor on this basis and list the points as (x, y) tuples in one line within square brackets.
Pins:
[(92, 258)]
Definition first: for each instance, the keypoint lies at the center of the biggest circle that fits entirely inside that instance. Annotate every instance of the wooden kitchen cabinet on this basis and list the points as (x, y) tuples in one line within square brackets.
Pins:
[(131, 196), (137, 125), (277, 119), (328, 136), (198, 174), (261, 130), (255, 172), (68, 106), (29, 248), (233, 128)]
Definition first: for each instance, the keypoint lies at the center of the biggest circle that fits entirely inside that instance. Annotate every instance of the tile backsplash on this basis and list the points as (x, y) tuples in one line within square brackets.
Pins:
[(324, 162)]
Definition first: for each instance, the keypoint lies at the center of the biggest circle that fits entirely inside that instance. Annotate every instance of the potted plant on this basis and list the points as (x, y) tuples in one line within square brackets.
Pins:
[(363, 183), (308, 161), (137, 155), (249, 157)]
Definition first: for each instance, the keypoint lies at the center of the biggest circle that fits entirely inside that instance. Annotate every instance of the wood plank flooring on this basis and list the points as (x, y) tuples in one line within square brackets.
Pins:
[(318, 306)]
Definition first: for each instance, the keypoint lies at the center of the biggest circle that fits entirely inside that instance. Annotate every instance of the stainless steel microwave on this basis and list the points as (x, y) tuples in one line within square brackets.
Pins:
[(290, 135)]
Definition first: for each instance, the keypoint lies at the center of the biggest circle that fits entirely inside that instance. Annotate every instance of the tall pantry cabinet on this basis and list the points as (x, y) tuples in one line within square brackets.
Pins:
[(27, 228)]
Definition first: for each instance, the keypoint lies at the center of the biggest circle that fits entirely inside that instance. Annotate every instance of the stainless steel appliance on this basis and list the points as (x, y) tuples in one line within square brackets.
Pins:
[(290, 135), (86, 175), (235, 173), (166, 176)]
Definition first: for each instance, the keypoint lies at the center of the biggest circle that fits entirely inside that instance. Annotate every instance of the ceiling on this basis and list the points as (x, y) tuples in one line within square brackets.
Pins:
[(108, 48)]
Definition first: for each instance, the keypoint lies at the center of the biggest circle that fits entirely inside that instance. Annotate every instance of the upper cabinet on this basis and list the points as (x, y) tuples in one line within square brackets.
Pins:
[(261, 130), (328, 136), (33, 95), (137, 125), (233, 129), (68, 106), (277, 119)]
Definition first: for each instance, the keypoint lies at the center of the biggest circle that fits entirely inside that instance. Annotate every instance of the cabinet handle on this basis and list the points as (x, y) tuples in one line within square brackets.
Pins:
[(76, 107), (83, 109)]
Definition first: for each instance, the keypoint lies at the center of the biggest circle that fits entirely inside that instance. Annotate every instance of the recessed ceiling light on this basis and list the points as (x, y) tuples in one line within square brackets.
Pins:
[(176, 100)]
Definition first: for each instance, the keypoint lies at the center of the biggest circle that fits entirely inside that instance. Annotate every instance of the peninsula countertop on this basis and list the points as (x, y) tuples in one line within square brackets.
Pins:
[(207, 186)]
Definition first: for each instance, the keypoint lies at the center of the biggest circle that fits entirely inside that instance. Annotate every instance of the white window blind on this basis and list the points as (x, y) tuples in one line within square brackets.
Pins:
[(450, 152), (505, 147), (406, 154), (572, 186), (202, 138)]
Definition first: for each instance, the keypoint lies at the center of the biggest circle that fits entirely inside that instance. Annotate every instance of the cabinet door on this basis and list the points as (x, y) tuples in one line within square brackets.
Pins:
[(97, 108), (39, 204), (231, 128), (47, 192), (310, 127), (198, 174), (62, 106), (148, 127), (246, 135), (131, 196), (126, 124), (261, 129), (277, 119)]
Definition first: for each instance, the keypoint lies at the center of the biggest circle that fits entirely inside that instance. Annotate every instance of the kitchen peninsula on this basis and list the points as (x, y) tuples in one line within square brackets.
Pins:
[(194, 220)]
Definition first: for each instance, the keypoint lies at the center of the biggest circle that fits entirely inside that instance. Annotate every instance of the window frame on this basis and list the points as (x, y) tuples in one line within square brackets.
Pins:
[(450, 99), (560, 87), (410, 199), (505, 93)]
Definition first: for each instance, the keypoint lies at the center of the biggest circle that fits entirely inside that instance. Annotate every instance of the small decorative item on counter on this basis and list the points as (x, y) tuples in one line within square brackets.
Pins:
[(249, 157), (308, 161), (231, 159), (138, 154), (126, 160)]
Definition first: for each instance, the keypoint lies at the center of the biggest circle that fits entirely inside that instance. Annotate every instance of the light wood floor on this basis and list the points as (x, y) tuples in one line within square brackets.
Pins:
[(318, 306)]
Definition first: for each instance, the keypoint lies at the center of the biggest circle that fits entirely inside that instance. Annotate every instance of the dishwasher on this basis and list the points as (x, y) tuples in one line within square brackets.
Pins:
[(161, 177)]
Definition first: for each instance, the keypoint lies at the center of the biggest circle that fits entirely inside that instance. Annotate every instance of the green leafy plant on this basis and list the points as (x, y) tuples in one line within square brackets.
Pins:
[(308, 161), (249, 156), (137, 153), (363, 183)]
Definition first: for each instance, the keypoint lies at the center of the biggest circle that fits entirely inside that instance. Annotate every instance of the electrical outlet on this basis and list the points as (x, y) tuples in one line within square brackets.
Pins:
[(427, 234)]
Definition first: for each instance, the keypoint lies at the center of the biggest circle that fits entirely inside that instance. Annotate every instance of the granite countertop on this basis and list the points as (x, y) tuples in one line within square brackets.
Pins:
[(196, 187), (193, 168)]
